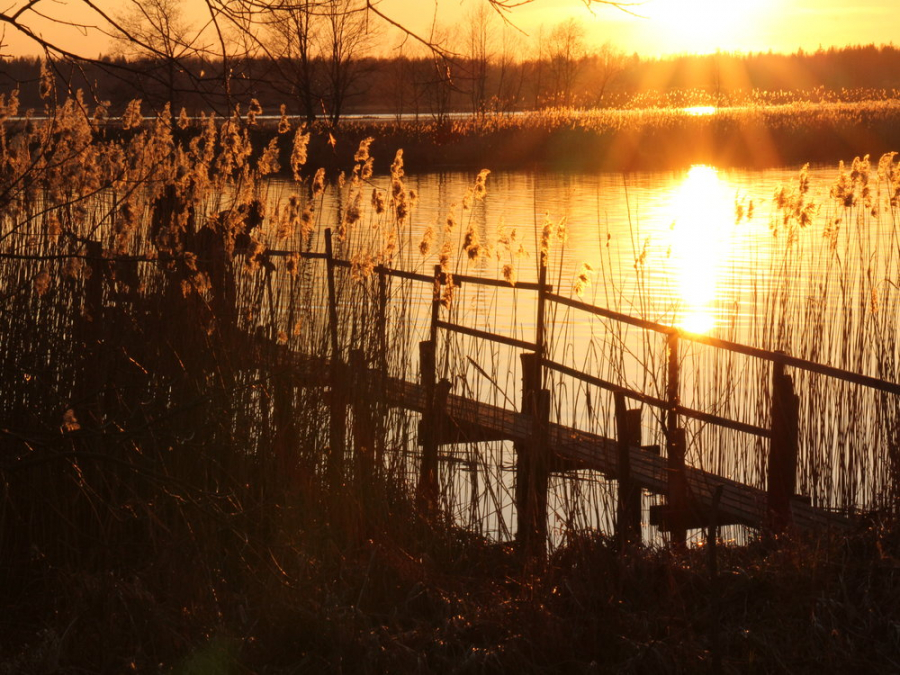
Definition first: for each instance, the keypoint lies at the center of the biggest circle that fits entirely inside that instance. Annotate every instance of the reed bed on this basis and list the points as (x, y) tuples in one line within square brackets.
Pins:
[(172, 494), (655, 135)]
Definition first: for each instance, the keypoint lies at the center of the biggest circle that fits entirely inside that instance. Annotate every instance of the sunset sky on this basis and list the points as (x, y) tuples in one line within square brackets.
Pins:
[(667, 26), (678, 26)]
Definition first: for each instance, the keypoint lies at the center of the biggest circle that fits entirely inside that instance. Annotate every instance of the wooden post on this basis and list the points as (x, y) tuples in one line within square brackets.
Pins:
[(712, 536), (628, 434), (381, 389), (712, 533), (332, 298), (783, 450), (672, 387), (286, 439), (677, 497), (427, 489), (532, 460), (435, 303), (338, 402), (676, 500), (382, 325), (91, 376), (362, 401), (532, 463)]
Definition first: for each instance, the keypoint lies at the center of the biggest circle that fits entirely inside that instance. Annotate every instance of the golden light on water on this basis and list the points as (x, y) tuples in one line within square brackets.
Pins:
[(700, 110), (701, 213)]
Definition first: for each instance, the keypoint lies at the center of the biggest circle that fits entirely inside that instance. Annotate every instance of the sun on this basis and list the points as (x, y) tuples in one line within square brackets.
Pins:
[(703, 26)]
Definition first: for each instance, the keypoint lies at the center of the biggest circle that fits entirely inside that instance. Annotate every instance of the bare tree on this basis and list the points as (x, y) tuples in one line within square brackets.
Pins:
[(292, 30), (156, 30), (510, 70), (566, 52), (230, 33), (601, 68), (479, 54), (347, 37)]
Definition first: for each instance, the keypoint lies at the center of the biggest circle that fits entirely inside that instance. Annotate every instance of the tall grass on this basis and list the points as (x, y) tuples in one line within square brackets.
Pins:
[(168, 473), (651, 135)]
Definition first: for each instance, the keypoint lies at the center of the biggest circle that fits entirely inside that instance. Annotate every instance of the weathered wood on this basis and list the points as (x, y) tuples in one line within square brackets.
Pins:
[(485, 335), (727, 345), (362, 402), (740, 504), (339, 384), (628, 435), (333, 327), (436, 303), (677, 491), (712, 533), (673, 398), (286, 436), (783, 450), (532, 461), (427, 488)]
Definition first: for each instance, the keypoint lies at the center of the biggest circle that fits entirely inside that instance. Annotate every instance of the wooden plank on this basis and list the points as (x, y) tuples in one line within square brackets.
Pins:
[(728, 345), (739, 503)]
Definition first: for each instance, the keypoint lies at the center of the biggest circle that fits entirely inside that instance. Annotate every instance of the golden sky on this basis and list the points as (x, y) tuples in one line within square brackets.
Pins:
[(680, 26), (668, 26)]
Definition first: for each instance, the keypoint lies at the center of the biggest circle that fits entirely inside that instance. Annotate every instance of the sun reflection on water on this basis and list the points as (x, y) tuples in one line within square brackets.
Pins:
[(701, 236), (700, 110)]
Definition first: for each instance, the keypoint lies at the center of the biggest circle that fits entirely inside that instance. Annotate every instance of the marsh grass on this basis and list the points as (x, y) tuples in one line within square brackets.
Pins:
[(169, 492), (759, 132)]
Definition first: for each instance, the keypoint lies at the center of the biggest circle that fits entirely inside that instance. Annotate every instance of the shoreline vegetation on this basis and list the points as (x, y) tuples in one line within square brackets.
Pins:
[(652, 139), (170, 500)]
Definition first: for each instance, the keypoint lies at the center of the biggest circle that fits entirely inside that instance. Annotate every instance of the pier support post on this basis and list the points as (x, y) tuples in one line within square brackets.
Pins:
[(286, 438), (628, 435), (338, 402), (427, 488), (677, 496), (362, 402), (783, 450), (532, 463)]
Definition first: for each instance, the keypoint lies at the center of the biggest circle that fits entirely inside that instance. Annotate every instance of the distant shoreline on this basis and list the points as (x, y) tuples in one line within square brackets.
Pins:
[(755, 137)]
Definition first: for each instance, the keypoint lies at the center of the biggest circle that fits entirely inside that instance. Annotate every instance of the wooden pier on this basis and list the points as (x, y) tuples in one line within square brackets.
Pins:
[(467, 421), (694, 498)]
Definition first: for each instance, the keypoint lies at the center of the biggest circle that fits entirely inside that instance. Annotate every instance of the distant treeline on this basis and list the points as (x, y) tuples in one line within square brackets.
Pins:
[(432, 87)]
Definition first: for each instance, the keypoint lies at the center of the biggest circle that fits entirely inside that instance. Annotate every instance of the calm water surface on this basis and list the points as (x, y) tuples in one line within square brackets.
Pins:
[(694, 248), (703, 249)]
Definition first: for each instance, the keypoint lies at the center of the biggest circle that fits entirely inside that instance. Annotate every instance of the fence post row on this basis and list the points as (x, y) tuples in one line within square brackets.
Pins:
[(783, 450), (533, 459)]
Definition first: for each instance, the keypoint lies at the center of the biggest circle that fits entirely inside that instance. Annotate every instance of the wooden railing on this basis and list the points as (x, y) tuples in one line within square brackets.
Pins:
[(537, 441)]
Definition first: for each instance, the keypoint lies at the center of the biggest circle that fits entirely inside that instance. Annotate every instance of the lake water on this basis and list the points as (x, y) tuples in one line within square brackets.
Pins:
[(765, 258)]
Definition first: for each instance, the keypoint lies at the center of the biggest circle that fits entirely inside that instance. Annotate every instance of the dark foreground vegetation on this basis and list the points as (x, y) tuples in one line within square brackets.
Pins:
[(288, 590), (171, 499)]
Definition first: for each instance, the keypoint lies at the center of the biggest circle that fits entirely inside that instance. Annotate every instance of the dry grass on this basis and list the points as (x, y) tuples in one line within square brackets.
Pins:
[(171, 496)]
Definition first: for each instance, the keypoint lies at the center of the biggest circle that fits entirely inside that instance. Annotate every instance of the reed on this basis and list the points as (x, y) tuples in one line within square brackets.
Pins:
[(179, 490)]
